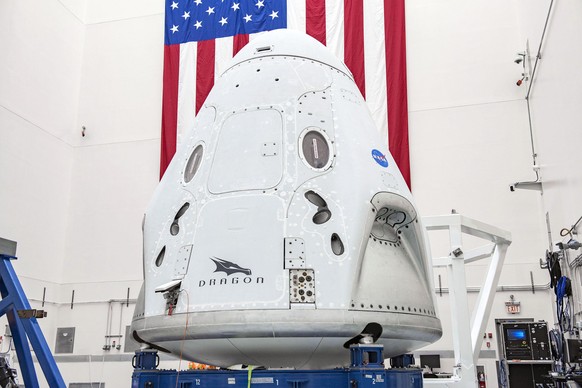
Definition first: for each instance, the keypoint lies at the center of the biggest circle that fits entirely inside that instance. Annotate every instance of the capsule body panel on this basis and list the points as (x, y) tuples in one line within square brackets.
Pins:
[(282, 225)]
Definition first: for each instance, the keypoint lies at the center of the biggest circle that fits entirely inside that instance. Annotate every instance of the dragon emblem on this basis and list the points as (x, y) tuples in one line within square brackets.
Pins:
[(228, 267)]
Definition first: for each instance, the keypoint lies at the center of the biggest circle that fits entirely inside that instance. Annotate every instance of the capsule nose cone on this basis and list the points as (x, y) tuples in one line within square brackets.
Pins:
[(289, 43)]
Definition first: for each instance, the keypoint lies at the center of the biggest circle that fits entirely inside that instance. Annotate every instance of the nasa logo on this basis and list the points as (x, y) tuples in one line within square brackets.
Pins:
[(380, 158), (230, 268)]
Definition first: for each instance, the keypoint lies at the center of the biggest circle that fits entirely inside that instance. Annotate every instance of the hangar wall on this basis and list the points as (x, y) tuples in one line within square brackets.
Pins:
[(555, 104), (469, 139), (75, 203)]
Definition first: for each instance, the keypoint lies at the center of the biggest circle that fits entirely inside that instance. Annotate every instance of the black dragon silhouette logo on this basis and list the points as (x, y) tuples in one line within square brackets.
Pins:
[(229, 267)]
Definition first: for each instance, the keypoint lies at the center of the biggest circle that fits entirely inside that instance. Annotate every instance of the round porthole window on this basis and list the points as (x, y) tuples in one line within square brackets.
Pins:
[(315, 149), (193, 163)]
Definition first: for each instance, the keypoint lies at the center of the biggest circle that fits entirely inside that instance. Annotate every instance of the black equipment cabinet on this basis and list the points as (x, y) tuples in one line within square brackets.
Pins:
[(526, 375), (525, 346)]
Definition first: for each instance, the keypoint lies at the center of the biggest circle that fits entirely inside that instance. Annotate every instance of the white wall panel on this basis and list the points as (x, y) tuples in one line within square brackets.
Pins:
[(121, 88), (464, 158), (113, 185), (35, 173), (41, 46), (531, 16), (103, 11), (461, 53), (555, 102), (77, 8)]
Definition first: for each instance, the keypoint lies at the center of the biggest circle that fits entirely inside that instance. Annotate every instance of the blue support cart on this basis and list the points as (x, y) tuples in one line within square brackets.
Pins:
[(366, 371), (24, 328)]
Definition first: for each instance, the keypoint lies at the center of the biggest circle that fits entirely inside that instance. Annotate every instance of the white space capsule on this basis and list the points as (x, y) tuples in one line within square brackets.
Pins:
[(282, 226)]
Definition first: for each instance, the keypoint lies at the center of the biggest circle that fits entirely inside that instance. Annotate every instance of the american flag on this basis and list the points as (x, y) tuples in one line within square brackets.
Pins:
[(201, 36)]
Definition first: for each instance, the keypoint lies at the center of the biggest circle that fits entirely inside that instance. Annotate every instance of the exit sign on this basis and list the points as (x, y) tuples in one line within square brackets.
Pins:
[(513, 308)]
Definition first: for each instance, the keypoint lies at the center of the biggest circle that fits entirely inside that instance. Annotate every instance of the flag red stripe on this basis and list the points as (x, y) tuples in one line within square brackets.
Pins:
[(204, 71), (238, 42), (169, 105), (315, 20), (354, 41), (395, 35)]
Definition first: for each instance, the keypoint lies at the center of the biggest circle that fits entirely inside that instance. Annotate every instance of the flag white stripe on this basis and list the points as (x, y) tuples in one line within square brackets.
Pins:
[(334, 27), (253, 36), (296, 15), (186, 89), (223, 55), (375, 64)]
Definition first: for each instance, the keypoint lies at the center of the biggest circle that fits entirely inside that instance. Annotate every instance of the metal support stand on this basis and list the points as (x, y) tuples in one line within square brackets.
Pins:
[(366, 371), (147, 359), (467, 333), (25, 328)]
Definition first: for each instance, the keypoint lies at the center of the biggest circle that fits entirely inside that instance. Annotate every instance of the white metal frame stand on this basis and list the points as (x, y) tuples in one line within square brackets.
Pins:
[(469, 328)]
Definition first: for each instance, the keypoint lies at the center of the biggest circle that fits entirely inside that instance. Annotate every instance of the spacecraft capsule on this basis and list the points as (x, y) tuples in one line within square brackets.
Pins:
[(282, 226)]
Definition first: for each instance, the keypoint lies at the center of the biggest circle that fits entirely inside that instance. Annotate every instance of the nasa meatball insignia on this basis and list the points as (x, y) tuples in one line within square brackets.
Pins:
[(380, 158)]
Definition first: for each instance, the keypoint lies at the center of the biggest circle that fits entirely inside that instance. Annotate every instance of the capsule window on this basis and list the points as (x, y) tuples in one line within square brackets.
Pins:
[(315, 149), (175, 227), (193, 163), (315, 199), (337, 246), (322, 216), (323, 213), (160, 258)]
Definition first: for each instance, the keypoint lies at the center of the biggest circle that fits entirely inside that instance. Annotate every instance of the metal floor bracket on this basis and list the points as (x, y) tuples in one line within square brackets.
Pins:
[(469, 327)]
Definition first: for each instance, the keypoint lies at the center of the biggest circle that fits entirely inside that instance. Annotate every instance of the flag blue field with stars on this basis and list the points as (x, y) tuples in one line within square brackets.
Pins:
[(196, 20)]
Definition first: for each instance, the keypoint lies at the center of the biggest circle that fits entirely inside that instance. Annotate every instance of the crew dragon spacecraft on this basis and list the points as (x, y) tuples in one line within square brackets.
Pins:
[(282, 226)]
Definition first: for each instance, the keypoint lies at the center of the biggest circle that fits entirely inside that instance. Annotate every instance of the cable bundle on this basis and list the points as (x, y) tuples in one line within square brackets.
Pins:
[(553, 265), (563, 291)]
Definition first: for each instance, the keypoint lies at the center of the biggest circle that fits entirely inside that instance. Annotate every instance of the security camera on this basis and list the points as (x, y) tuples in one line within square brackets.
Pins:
[(534, 185)]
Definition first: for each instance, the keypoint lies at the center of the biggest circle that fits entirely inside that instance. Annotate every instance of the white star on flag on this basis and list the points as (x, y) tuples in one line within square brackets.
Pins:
[(174, 29), (198, 2), (186, 15), (174, 5), (198, 24), (210, 10), (248, 18), (223, 21), (235, 6), (274, 14), (260, 3)]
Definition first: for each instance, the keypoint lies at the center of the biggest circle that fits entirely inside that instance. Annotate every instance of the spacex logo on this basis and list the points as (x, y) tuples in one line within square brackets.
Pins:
[(380, 158), (229, 268)]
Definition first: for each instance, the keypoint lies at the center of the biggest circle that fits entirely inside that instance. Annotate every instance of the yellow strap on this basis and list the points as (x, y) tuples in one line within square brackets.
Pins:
[(250, 375)]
